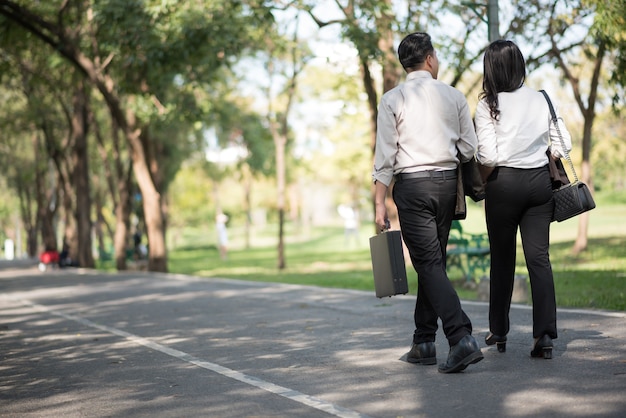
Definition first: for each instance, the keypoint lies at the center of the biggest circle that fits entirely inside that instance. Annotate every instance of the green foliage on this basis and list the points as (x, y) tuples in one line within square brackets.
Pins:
[(237, 125), (340, 153), (163, 58), (608, 154), (610, 25), (155, 41), (197, 186), (189, 196), (610, 20), (7, 213)]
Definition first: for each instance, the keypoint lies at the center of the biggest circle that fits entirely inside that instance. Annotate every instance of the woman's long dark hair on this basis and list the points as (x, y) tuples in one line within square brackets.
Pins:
[(504, 71)]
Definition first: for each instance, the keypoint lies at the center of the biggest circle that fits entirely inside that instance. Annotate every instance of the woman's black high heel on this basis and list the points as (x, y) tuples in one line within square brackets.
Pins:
[(543, 348), (499, 341)]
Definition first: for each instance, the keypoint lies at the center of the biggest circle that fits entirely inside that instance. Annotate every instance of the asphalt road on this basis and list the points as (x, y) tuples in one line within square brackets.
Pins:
[(80, 343)]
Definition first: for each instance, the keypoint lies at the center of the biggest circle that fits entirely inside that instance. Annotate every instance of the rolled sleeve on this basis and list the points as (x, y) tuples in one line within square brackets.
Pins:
[(487, 153), (467, 142), (556, 147), (386, 144)]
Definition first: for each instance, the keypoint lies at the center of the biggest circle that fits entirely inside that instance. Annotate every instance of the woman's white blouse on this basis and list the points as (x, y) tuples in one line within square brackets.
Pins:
[(522, 134)]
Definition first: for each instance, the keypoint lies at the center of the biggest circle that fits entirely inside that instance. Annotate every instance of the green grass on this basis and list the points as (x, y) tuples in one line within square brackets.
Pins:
[(595, 279), (320, 256), (320, 260)]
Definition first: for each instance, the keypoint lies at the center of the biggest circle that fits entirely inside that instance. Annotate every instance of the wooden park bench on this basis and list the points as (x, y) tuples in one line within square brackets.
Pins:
[(468, 252)]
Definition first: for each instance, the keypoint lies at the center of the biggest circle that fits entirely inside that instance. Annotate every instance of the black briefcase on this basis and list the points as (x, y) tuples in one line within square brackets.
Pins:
[(388, 264)]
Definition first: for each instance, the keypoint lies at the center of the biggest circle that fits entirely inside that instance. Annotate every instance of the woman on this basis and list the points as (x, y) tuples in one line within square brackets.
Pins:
[(514, 133)]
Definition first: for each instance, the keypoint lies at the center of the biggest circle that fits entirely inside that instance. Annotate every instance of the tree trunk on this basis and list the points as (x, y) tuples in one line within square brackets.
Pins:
[(100, 223), (580, 244), (589, 113), (279, 128), (152, 148), (70, 235), (119, 182), (32, 226), (280, 143), (123, 208), (582, 240), (101, 186), (247, 202), (151, 199), (45, 215), (80, 176), (122, 225), (46, 198), (31, 242)]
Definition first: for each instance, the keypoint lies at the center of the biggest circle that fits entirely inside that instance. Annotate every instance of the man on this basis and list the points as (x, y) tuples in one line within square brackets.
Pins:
[(423, 125)]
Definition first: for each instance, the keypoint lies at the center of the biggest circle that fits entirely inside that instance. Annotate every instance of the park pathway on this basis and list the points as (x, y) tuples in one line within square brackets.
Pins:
[(81, 343)]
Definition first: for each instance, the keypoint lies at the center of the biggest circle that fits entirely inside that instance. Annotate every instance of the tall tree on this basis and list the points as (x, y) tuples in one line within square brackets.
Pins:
[(238, 126), (113, 178), (285, 62), (132, 52), (24, 156), (79, 175)]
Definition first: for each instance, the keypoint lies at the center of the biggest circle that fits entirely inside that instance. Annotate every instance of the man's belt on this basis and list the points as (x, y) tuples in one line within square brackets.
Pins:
[(430, 174)]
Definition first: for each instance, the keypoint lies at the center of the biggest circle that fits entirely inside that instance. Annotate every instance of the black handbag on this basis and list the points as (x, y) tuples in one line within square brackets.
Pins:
[(570, 199)]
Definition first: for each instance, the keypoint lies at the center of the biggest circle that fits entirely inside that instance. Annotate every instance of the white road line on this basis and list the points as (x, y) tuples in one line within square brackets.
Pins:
[(291, 394)]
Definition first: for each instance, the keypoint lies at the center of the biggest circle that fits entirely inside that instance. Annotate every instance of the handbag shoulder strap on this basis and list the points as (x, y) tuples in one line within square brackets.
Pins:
[(555, 121)]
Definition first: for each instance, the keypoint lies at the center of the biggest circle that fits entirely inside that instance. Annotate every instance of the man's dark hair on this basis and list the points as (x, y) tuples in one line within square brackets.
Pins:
[(504, 71), (414, 49)]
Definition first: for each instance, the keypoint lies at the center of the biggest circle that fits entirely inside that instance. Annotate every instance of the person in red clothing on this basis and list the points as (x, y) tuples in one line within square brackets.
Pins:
[(48, 258)]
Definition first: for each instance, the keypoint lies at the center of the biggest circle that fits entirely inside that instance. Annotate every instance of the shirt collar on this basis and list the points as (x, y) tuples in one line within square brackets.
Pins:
[(419, 74)]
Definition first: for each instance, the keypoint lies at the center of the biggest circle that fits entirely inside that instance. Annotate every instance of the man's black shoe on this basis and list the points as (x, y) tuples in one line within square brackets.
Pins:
[(422, 353), (461, 355)]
